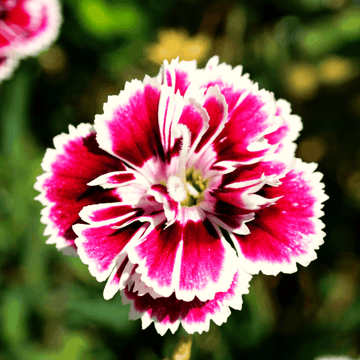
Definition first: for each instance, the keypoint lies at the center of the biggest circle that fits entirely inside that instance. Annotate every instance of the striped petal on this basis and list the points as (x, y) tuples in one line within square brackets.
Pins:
[(64, 189), (194, 316), (289, 231), (189, 257)]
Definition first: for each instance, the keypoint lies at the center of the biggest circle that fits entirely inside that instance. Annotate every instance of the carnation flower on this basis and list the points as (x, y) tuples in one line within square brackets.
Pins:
[(27, 27), (184, 186)]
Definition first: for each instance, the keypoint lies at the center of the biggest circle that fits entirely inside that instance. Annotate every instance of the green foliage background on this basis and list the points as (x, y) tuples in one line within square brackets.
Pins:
[(306, 51)]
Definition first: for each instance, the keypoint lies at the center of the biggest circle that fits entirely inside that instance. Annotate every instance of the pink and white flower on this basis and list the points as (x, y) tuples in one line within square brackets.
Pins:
[(184, 186), (27, 27)]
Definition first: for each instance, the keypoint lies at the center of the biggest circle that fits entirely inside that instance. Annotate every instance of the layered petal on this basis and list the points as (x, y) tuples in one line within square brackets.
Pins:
[(102, 247), (29, 26), (190, 258), (64, 190), (177, 75), (194, 316), (129, 129), (286, 134), (289, 231)]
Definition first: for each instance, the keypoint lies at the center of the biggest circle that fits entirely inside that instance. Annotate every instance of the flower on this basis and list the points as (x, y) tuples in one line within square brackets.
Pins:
[(184, 186), (27, 27)]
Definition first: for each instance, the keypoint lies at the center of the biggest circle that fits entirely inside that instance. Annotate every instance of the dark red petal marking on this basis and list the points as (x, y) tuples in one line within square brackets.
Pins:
[(119, 272), (118, 277), (224, 208), (161, 308), (194, 315)]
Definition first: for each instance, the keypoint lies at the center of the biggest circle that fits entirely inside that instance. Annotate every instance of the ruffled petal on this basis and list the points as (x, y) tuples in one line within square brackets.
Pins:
[(177, 75), (251, 113), (120, 178), (170, 312), (173, 110), (215, 105), (102, 247), (189, 257), (286, 134), (289, 231), (34, 24), (129, 129), (75, 161)]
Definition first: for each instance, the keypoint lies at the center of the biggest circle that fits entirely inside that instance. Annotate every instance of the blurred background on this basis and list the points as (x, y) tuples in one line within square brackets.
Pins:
[(306, 51)]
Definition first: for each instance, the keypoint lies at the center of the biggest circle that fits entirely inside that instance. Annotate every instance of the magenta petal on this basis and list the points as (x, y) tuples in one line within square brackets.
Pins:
[(291, 126), (181, 73), (215, 105), (189, 257), (104, 214), (207, 263), (194, 117), (129, 128), (36, 24), (157, 252), (289, 231), (100, 247), (169, 312), (249, 121), (287, 133), (174, 110), (118, 277), (63, 188)]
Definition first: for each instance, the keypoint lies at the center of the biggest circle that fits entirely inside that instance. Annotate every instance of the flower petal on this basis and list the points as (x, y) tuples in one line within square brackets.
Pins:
[(129, 128), (286, 133), (215, 105), (289, 231), (118, 277), (120, 178), (63, 188), (39, 21), (178, 75), (169, 312), (173, 110), (102, 247), (189, 257)]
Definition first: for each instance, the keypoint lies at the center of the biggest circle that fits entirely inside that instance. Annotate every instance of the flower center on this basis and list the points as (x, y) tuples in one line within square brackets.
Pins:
[(195, 187), (186, 186)]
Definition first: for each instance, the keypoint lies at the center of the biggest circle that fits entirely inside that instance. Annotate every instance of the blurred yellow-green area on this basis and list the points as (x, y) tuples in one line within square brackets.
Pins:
[(306, 51)]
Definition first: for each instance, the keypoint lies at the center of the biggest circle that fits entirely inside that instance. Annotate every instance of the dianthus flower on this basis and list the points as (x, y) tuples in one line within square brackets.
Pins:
[(184, 186), (27, 27)]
